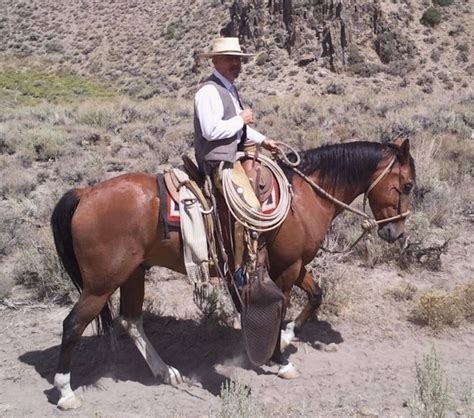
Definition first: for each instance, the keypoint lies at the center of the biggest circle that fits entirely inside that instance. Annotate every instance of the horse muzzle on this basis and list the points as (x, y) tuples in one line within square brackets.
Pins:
[(392, 232)]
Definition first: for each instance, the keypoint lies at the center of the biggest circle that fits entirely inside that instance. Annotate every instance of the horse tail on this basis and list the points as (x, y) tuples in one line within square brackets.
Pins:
[(61, 225)]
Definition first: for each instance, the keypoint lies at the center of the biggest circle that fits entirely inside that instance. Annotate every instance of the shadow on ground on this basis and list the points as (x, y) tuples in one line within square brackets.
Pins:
[(317, 333), (194, 348)]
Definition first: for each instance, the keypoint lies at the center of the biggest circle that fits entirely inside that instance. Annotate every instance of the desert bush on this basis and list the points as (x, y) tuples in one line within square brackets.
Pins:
[(431, 17), (335, 88), (403, 292), (213, 303), (332, 278), (43, 143), (468, 400), (97, 114), (401, 67), (436, 54), (431, 395), (438, 309), (237, 401), (6, 286), (391, 46), (443, 3), (38, 268), (7, 139), (89, 168), (464, 296), (12, 220), (16, 180)]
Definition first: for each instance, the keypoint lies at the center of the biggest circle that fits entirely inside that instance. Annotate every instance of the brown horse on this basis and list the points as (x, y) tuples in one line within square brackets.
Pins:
[(108, 234)]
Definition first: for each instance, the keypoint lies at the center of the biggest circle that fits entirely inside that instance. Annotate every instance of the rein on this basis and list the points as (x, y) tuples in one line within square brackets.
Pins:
[(369, 222)]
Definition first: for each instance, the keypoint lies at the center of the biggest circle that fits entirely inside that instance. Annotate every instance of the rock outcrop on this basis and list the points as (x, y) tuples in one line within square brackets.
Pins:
[(322, 31)]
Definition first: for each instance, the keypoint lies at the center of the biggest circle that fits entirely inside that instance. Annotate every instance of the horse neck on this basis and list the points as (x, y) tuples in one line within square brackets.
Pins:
[(346, 194)]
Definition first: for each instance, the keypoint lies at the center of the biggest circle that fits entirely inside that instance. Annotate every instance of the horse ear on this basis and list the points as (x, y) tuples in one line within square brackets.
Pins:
[(403, 144)]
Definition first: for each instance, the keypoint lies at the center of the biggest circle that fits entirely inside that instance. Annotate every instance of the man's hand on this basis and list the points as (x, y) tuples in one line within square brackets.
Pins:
[(247, 116), (269, 144)]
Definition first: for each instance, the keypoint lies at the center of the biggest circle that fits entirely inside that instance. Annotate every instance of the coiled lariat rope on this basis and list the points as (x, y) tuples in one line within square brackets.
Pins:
[(369, 222), (243, 212)]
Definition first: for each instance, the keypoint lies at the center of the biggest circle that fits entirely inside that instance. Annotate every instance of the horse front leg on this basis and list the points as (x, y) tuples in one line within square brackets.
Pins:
[(307, 283), (315, 298), (286, 370)]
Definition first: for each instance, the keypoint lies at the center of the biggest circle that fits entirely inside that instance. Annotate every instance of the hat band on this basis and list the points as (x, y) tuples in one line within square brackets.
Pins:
[(227, 51)]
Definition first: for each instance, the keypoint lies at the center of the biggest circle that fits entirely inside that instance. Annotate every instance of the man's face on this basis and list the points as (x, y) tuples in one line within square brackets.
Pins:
[(228, 65)]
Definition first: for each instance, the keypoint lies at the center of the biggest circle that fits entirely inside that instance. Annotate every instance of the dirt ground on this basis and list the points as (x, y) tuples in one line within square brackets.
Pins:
[(361, 363)]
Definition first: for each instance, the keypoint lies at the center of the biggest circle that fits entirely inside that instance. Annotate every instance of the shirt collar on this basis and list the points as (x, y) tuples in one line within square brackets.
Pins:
[(227, 83)]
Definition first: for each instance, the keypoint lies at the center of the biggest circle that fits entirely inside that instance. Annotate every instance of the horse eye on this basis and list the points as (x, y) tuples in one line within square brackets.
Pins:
[(407, 188)]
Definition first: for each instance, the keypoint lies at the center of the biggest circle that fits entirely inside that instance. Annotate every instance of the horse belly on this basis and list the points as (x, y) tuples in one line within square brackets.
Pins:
[(167, 253)]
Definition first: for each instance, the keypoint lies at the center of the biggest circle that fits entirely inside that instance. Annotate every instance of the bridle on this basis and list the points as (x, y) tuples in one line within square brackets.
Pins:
[(376, 181)]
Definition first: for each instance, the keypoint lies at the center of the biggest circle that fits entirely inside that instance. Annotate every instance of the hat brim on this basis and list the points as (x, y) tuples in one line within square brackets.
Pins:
[(234, 53)]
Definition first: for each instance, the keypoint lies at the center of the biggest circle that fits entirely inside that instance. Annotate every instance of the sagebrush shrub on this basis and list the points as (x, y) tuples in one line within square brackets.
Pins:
[(39, 268), (431, 396), (431, 17), (238, 401)]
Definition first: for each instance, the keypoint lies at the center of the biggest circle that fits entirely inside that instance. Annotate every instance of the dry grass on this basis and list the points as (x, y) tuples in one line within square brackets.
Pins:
[(405, 291), (438, 309), (333, 278), (39, 268)]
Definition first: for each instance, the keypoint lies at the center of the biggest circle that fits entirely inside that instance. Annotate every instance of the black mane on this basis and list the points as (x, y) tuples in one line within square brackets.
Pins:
[(343, 165)]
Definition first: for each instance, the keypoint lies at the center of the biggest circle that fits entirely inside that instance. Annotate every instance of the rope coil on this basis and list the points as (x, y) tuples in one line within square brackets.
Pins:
[(247, 215)]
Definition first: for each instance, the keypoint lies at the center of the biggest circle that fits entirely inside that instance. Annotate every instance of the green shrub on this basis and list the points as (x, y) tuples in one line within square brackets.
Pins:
[(443, 3), (431, 17)]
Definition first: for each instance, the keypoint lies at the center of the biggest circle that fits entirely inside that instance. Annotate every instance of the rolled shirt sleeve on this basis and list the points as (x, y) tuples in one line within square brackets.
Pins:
[(254, 136)]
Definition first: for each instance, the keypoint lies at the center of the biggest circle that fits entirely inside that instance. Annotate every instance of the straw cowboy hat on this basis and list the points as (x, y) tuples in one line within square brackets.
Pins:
[(225, 46)]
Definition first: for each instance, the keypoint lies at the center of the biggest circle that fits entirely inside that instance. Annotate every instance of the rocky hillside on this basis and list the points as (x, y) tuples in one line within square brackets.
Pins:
[(148, 48)]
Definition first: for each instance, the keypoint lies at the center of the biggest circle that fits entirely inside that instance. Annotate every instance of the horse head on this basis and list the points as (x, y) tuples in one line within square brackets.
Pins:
[(389, 193)]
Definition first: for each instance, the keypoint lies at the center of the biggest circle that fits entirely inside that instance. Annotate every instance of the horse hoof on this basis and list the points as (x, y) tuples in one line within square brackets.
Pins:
[(174, 377), (288, 372), (69, 402)]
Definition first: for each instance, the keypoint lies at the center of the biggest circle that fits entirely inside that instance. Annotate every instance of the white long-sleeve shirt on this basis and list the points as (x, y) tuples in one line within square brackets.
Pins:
[(210, 112)]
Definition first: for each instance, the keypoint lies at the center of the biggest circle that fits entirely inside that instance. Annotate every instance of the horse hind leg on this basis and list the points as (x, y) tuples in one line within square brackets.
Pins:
[(131, 303), (83, 312)]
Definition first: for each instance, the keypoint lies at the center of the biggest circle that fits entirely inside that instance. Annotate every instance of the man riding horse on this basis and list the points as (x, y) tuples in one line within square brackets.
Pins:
[(221, 128)]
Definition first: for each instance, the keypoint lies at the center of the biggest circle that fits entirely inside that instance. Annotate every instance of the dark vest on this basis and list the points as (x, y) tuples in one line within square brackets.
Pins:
[(221, 149)]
